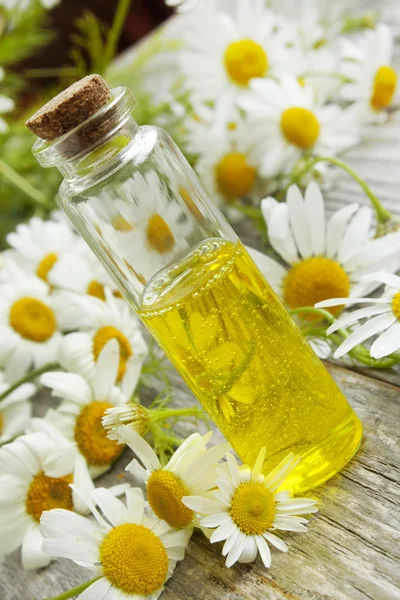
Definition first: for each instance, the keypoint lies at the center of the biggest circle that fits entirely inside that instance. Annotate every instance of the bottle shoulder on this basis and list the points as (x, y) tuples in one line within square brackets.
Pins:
[(148, 141)]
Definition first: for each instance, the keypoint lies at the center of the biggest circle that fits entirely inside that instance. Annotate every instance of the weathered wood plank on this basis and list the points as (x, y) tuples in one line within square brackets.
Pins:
[(352, 551)]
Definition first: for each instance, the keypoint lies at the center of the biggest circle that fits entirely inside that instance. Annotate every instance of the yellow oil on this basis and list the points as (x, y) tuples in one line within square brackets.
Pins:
[(239, 351)]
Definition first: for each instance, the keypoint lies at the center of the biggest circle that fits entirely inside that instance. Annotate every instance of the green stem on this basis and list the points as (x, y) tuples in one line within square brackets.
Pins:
[(382, 214), (29, 377), (116, 30), (24, 185), (250, 211), (75, 591), (168, 413)]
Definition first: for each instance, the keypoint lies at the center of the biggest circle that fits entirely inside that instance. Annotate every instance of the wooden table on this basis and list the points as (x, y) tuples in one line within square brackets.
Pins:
[(352, 550)]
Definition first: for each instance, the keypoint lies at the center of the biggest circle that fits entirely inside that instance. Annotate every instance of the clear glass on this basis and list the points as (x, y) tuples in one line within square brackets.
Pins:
[(138, 204)]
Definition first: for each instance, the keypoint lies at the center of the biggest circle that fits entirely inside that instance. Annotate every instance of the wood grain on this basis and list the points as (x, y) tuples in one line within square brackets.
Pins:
[(352, 550)]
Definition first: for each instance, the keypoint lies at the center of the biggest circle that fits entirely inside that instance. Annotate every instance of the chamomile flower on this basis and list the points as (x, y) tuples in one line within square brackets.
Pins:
[(82, 274), (150, 225), (323, 259), (373, 81), (224, 52), (27, 489), (15, 409), (79, 415), (225, 167), (103, 321), (134, 554), (190, 471), (246, 510), (30, 324), (382, 317), (38, 245), (285, 122)]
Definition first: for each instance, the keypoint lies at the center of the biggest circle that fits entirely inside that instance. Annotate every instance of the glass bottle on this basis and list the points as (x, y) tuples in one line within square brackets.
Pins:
[(140, 207)]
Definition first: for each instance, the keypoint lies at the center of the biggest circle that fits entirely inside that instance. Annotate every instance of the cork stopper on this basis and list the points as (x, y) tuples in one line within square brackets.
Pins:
[(71, 108)]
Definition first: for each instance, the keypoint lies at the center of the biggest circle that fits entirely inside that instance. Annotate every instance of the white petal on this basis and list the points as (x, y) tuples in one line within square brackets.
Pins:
[(315, 211), (271, 270), (216, 520), (349, 301), (337, 227), (135, 505), (96, 591), (388, 278), (249, 553), (113, 509), (31, 553), (203, 464), (106, 370), (245, 473), (233, 469), (226, 487), (71, 548), (276, 477), (223, 531), (356, 234), (298, 221), (258, 465), (62, 524), (294, 504), (386, 343), (87, 499), (67, 385), (140, 447), (137, 470), (280, 235), (203, 505), (265, 552), (275, 541), (370, 328), (230, 542), (354, 316), (83, 480), (237, 550)]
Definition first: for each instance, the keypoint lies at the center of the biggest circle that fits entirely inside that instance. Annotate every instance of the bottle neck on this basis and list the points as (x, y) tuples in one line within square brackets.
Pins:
[(95, 144)]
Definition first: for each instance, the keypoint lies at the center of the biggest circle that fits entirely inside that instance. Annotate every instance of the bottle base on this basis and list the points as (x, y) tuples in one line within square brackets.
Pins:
[(323, 462)]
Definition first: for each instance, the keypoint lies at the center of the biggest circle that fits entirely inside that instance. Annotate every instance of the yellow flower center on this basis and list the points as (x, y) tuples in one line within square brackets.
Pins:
[(134, 559), (165, 492), (253, 508), (316, 279), (46, 493), (33, 319), (244, 60), (159, 235), (121, 224), (385, 84), (104, 335), (96, 289), (396, 305), (300, 127), (190, 203), (235, 177), (45, 266), (91, 436)]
